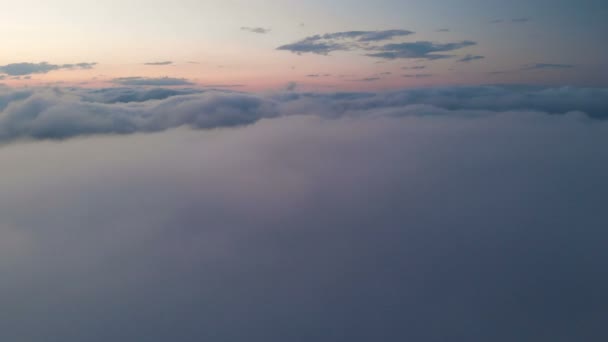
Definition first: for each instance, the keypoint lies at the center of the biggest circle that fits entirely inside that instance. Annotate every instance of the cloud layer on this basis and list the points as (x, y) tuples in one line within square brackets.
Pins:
[(467, 214), (66, 113)]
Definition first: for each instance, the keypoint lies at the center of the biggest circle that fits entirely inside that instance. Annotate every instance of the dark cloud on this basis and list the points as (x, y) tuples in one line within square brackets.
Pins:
[(318, 75), (341, 41), (159, 63), (259, 30), (443, 30), (399, 222), (154, 82), (21, 69), (470, 58), (419, 50)]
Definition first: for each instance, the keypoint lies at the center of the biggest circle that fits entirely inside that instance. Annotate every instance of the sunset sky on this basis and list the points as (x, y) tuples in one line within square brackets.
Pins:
[(303, 171), (235, 43)]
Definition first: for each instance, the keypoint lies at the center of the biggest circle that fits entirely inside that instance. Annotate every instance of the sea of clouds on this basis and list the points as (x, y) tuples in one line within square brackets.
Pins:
[(456, 213)]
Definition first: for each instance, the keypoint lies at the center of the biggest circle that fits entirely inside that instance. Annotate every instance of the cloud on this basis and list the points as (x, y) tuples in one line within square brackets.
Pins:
[(418, 75), (520, 20), (318, 75), (291, 86), (542, 66), (21, 69), (367, 79), (341, 41), (470, 58), (443, 30), (553, 100), (159, 63), (416, 67), (419, 50), (62, 113), (220, 86), (390, 222), (84, 66), (149, 81), (259, 30), (536, 66), (375, 36), (126, 95)]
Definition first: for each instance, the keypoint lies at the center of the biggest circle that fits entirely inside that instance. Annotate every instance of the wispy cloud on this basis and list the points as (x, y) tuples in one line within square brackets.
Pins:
[(222, 86), (367, 79), (470, 58), (146, 81), (21, 69), (291, 86), (259, 30), (159, 63), (521, 20), (536, 66), (541, 66), (419, 50), (341, 41), (418, 75)]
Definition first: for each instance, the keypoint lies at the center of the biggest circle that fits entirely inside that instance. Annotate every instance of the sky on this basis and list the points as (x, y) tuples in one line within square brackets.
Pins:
[(278, 171), (246, 44)]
